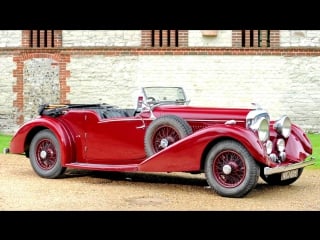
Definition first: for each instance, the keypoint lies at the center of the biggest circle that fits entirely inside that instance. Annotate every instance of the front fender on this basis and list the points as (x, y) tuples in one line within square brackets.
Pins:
[(298, 146), (244, 136), (21, 140), (187, 153)]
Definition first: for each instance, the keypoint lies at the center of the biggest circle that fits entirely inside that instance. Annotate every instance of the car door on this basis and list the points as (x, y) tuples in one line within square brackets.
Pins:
[(114, 140)]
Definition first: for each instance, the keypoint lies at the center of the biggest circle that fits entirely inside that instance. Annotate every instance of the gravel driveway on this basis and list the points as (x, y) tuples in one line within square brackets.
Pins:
[(22, 189)]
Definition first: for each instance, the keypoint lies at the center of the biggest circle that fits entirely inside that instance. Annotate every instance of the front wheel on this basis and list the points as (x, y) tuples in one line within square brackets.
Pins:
[(230, 170), (45, 155)]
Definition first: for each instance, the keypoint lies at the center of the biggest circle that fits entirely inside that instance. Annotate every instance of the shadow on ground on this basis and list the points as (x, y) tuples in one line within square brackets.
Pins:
[(157, 178), (165, 178)]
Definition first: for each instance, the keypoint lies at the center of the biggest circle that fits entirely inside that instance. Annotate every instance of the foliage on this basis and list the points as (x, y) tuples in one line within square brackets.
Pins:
[(4, 141), (315, 140)]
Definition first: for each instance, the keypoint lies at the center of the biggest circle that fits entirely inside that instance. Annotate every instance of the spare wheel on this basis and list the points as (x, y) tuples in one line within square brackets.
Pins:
[(164, 131)]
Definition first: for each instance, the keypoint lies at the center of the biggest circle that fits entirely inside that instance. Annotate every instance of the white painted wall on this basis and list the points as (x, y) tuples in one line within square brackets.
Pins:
[(10, 38), (282, 85), (289, 85), (101, 38), (300, 38), (222, 39), (8, 114)]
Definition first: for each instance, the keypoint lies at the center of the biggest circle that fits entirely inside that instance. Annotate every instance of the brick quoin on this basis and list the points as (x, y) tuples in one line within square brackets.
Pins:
[(237, 38), (61, 59), (31, 38), (160, 38)]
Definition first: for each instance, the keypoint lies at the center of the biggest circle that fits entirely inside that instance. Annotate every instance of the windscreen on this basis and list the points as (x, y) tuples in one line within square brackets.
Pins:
[(163, 94)]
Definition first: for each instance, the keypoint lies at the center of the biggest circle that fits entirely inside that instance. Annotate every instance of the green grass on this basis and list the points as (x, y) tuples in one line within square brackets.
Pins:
[(314, 138), (4, 141)]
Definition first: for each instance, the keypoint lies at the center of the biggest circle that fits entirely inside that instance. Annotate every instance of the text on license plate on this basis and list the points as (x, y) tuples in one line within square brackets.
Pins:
[(289, 174)]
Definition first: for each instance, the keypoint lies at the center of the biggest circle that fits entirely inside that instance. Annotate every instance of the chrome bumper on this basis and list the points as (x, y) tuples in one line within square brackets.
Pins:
[(270, 171)]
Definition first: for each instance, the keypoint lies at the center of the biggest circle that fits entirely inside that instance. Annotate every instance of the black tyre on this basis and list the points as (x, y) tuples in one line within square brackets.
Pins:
[(230, 170), (163, 132), (275, 179), (45, 155)]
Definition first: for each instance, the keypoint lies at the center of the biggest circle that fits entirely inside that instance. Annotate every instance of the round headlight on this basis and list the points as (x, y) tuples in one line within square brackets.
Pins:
[(262, 127), (269, 146), (283, 126), (281, 145)]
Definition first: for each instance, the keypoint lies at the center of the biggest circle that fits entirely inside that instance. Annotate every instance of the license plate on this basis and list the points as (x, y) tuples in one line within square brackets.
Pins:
[(289, 174)]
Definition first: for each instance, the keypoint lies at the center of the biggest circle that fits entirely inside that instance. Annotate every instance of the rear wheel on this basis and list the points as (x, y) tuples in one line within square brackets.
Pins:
[(163, 132), (45, 155), (230, 169)]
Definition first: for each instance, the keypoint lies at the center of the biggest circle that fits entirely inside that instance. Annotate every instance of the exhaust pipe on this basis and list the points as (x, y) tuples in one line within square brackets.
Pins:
[(5, 150)]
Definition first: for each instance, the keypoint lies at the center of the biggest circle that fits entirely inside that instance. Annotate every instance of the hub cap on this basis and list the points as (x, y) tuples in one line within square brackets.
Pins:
[(164, 143)]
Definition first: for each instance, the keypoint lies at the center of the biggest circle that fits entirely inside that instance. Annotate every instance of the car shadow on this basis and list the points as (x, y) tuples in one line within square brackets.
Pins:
[(163, 178), (156, 178)]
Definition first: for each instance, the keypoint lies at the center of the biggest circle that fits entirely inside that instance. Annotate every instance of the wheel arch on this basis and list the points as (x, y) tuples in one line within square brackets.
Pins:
[(210, 145), (30, 136), (64, 138), (230, 170), (240, 135)]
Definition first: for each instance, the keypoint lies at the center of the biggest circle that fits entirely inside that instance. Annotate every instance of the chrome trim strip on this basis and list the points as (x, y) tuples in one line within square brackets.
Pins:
[(211, 120), (270, 171)]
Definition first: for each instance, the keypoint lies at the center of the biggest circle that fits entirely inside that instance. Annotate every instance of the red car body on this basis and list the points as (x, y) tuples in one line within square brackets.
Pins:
[(166, 137)]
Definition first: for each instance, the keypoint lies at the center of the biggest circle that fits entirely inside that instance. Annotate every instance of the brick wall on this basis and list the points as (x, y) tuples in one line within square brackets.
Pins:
[(256, 38), (110, 66), (164, 38)]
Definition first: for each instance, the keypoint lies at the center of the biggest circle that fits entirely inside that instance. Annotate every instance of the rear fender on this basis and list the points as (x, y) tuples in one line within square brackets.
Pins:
[(22, 138)]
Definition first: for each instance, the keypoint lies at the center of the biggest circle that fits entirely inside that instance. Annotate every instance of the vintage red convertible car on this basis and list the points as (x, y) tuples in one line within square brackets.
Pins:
[(233, 147)]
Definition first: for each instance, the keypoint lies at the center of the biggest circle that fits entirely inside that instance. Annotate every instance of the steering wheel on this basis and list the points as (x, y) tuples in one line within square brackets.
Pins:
[(151, 99)]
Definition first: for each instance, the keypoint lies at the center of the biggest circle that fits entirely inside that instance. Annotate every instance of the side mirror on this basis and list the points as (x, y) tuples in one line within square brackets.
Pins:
[(139, 103)]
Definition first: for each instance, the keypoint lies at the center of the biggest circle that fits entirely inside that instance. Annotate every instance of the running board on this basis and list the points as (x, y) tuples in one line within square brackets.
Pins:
[(104, 167)]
